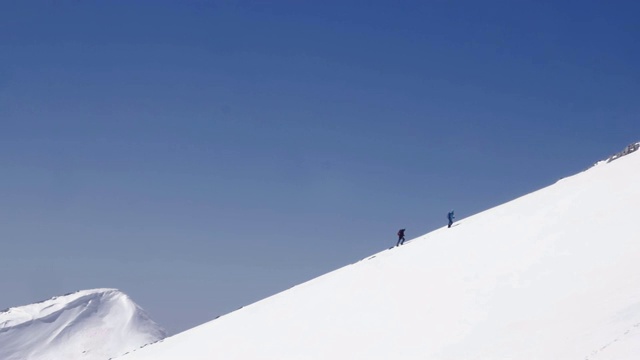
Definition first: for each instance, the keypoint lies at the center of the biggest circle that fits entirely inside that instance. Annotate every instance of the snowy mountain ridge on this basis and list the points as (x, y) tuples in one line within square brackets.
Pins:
[(90, 324), (631, 148), (550, 275), (628, 150)]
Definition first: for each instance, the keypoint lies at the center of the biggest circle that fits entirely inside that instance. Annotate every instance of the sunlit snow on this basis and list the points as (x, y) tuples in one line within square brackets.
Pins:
[(551, 275)]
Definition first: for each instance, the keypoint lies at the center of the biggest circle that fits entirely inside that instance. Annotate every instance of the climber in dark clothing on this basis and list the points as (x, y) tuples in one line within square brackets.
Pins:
[(450, 217), (400, 237)]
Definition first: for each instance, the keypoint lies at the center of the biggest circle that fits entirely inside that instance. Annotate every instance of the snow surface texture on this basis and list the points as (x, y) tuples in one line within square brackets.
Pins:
[(551, 275), (88, 325)]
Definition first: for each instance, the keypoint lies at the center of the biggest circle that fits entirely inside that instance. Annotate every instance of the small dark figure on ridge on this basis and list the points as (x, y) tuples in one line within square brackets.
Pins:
[(400, 237), (450, 217)]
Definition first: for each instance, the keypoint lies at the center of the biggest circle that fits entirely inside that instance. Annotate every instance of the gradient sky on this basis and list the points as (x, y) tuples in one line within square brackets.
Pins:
[(202, 155)]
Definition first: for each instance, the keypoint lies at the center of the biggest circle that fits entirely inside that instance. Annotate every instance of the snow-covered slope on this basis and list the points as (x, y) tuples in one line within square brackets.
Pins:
[(551, 275), (88, 325)]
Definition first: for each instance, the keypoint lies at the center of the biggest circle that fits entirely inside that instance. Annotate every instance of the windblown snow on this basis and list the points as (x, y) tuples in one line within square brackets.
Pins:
[(89, 325), (551, 275)]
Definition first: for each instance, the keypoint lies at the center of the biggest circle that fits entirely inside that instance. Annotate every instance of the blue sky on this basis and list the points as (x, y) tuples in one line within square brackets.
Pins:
[(201, 155)]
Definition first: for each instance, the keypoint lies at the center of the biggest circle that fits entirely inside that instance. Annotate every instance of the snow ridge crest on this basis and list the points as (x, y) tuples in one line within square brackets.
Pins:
[(627, 150)]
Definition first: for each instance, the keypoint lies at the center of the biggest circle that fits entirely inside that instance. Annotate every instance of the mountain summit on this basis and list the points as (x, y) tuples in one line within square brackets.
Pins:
[(90, 325), (554, 274)]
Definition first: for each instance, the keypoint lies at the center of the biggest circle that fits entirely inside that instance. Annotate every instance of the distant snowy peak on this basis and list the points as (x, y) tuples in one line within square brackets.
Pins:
[(28, 313), (89, 324)]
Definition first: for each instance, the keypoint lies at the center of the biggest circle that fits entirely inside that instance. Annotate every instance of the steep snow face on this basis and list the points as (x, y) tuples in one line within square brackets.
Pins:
[(89, 325), (551, 275)]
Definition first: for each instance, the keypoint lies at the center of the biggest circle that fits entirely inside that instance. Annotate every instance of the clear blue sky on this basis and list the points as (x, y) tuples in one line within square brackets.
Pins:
[(202, 155)]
